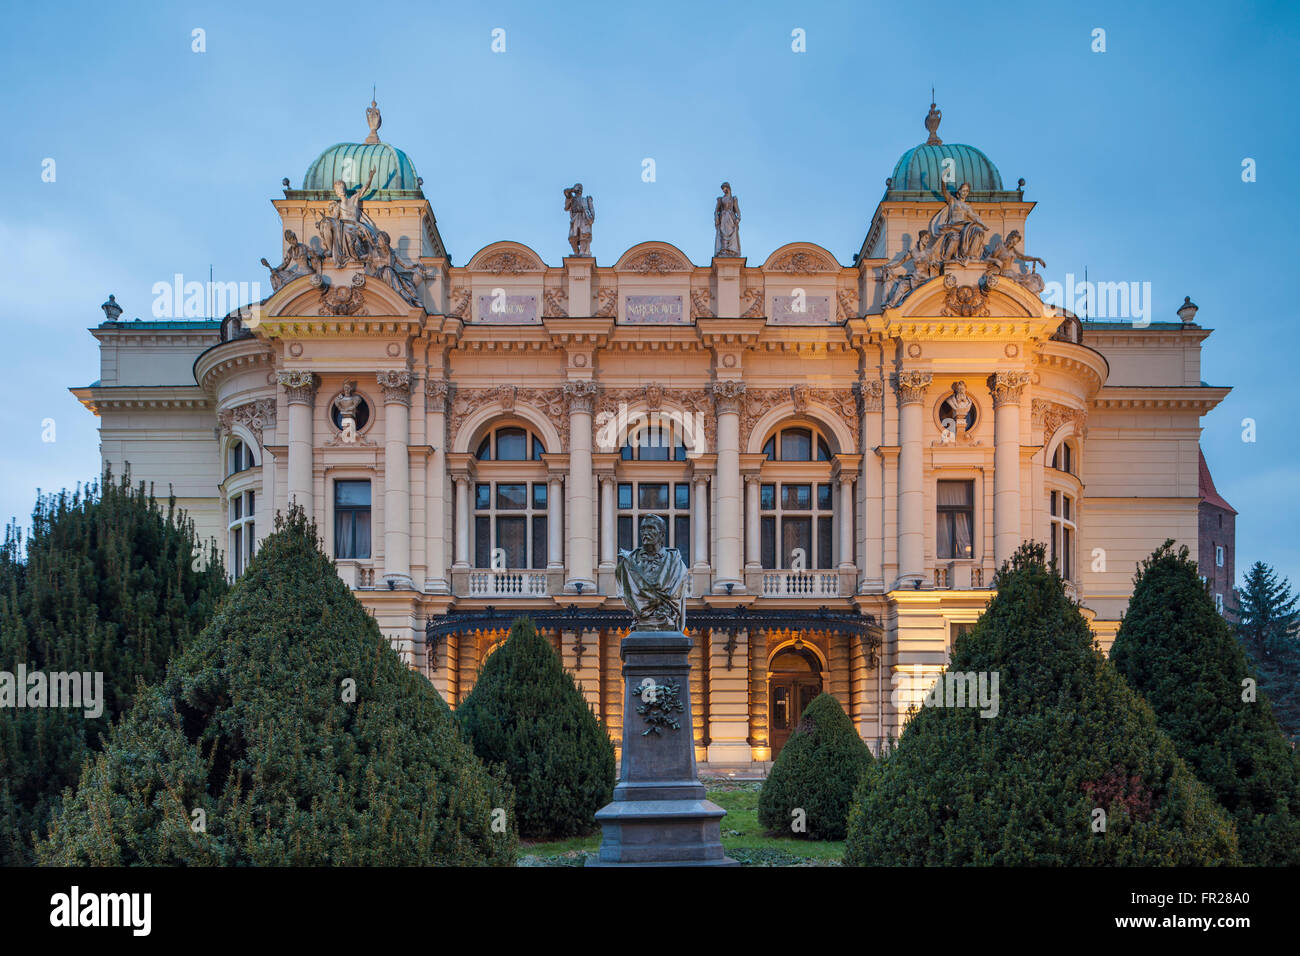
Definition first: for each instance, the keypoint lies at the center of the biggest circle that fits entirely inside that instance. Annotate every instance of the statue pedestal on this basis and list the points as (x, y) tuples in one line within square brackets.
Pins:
[(659, 816)]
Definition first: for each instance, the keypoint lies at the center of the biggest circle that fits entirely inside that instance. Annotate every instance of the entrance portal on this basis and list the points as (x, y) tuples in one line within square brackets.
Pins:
[(794, 678)]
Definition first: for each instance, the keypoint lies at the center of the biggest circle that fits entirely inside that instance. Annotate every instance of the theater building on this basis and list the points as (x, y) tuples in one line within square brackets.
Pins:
[(843, 453)]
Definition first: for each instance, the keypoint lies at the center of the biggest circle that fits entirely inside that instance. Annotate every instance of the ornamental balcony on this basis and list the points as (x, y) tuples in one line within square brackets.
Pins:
[(801, 584), (507, 584)]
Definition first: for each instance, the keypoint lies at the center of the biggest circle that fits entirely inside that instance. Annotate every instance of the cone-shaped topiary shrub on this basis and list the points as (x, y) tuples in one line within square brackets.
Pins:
[(1181, 655), (287, 733), (1070, 741), (109, 581), (816, 772), (526, 715)]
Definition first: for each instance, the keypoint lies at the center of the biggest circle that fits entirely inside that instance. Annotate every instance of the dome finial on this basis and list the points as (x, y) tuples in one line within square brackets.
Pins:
[(373, 119), (932, 122)]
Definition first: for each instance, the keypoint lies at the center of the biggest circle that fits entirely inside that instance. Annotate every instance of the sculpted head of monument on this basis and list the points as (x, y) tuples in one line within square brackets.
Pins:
[(652, 580)]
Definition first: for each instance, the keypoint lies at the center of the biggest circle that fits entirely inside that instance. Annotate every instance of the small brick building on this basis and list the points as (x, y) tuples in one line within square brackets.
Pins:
[(1217, 542)]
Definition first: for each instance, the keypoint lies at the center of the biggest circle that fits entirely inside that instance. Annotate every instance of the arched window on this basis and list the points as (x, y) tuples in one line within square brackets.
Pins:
[(798, 443), (510, 443), (659, 440), (238, 458), (1063, 458)]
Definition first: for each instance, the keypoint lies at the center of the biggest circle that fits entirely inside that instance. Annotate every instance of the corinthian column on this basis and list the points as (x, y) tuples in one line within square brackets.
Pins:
[(396, 386), (580, 395), (727, 397), (871, 541), (435, 486), (911, 493), (1006, 388), (300, 391)]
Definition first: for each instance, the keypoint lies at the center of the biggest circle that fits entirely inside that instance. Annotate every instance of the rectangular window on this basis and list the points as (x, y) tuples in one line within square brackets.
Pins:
[(767, 497), (1218, 602), (512, 537), (1067, 551), (512, 498), (252, 502), (682, 493), (955, 514), (482, 541), (796, 534), (824, 542), (237, 505), (539, 541), (539, 495), (352, 519), (767, 528), (483, 495), (625, 533), (825, 499), (652, 496), (682, 537), (796, 497), (625, 495), (1218, 555)]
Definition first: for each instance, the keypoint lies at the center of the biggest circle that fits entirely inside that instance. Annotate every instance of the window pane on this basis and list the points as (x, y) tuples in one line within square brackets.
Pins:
[(652, 495), (682, 537), (482, 542), (767, 545), (1065, 502), (236, 508), (512, 444), (796, 444), (250, 537), (767, 497), (361, 533), (825, 500), (1051, 504), (624, 495), (1067, 546), (538, 449), (955, 494), (539, 494), (483, 496), (653, 444), (769, 448), (626, 453), (796, 533), (796, 497), (512, 498), (237, 550), (824, 543), (484, 452), (625, 532), (252, 503), (539, 541), (512, 535), (823, 450), (352, 493), (682, 493)]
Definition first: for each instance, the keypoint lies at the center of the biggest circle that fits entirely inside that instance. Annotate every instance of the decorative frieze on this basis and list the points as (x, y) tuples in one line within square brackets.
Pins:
[(1007, 386), (803, 263), (911, 386), (255, 416), (701, 306), (466, 401), (759, 401), (607, 303), (460, 303), (396, 386), (436, 391), (754, 297), (657, 261), (966, 301), (555, 304), (1050, 416), (299, 386), (508, 263), (847, 300), (341, 300)]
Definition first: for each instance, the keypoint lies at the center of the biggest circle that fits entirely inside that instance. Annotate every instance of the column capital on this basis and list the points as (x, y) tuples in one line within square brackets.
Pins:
[(437, 390), (870, 394), (727, 396), (750, 479), (912, 385), (396, 386), (1007, 386), (580, 395), (299, 386)]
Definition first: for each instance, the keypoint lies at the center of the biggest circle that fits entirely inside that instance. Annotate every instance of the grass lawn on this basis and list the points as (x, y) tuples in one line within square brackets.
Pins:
[(742, 837)]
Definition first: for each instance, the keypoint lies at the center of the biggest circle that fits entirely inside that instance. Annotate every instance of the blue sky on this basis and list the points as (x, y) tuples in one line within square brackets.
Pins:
[(166, 160)]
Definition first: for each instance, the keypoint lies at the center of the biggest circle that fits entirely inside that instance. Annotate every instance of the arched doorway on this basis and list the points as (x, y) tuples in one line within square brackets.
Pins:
[(794, 678)]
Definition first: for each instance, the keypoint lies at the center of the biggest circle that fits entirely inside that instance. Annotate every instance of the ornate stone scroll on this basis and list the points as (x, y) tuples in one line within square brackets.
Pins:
[(870, 394), (396, 386), (965, 301), (1007, 386), (580, 396), (1050, 416), (759, 401), (466, 401), (255, 416), (299, 386), (657, 261), (911, 386), (338, 300), (555, 303)]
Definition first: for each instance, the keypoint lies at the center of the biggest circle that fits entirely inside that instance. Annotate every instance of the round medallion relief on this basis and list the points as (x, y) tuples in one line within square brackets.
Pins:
[(914, 350), (295, 349), (1012, 350), (580, 361), (394, 349), (729, 361)]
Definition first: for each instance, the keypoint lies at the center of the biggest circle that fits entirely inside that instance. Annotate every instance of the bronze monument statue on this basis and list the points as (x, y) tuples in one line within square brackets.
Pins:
[(652, 580)]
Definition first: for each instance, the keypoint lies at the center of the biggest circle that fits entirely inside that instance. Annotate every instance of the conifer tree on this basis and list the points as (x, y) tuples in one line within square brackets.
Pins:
[(816, 773), (1268, 626), (287, 733), (1179, 653), (527, 716), (1070, 771), (108, 580)]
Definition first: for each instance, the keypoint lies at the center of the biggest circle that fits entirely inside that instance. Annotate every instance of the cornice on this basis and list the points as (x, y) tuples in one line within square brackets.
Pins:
[(1200, 398), (100, 398), (234, 356)]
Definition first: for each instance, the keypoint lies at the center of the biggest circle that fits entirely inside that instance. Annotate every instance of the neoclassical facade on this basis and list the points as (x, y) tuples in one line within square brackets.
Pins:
[(842, 453)]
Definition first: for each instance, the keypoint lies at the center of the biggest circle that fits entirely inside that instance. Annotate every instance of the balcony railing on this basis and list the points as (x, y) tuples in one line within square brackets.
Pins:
[(507, 584), (814, 584)]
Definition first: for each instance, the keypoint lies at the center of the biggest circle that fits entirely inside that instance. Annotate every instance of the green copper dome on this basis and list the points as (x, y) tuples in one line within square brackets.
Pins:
[(395, 176), (921, 170)]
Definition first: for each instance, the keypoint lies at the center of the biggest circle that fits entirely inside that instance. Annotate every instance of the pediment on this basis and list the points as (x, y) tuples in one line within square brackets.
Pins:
[(802, 258), (970, 295), (337, 293), (654, 258), (506, 258)]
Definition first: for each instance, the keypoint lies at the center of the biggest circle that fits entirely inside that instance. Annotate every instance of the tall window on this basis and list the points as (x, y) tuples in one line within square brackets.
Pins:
[(795, 517), (1061, 508), (955, 519), (797, 444), (670, 500), (241, 531), (661, 440), (510, 515), (1218, 555), (352, 519), (1063, 458), (510, 443), (238, 458)]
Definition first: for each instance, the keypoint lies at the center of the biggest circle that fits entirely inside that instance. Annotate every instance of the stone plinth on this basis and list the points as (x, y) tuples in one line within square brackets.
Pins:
[(659, 815)]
